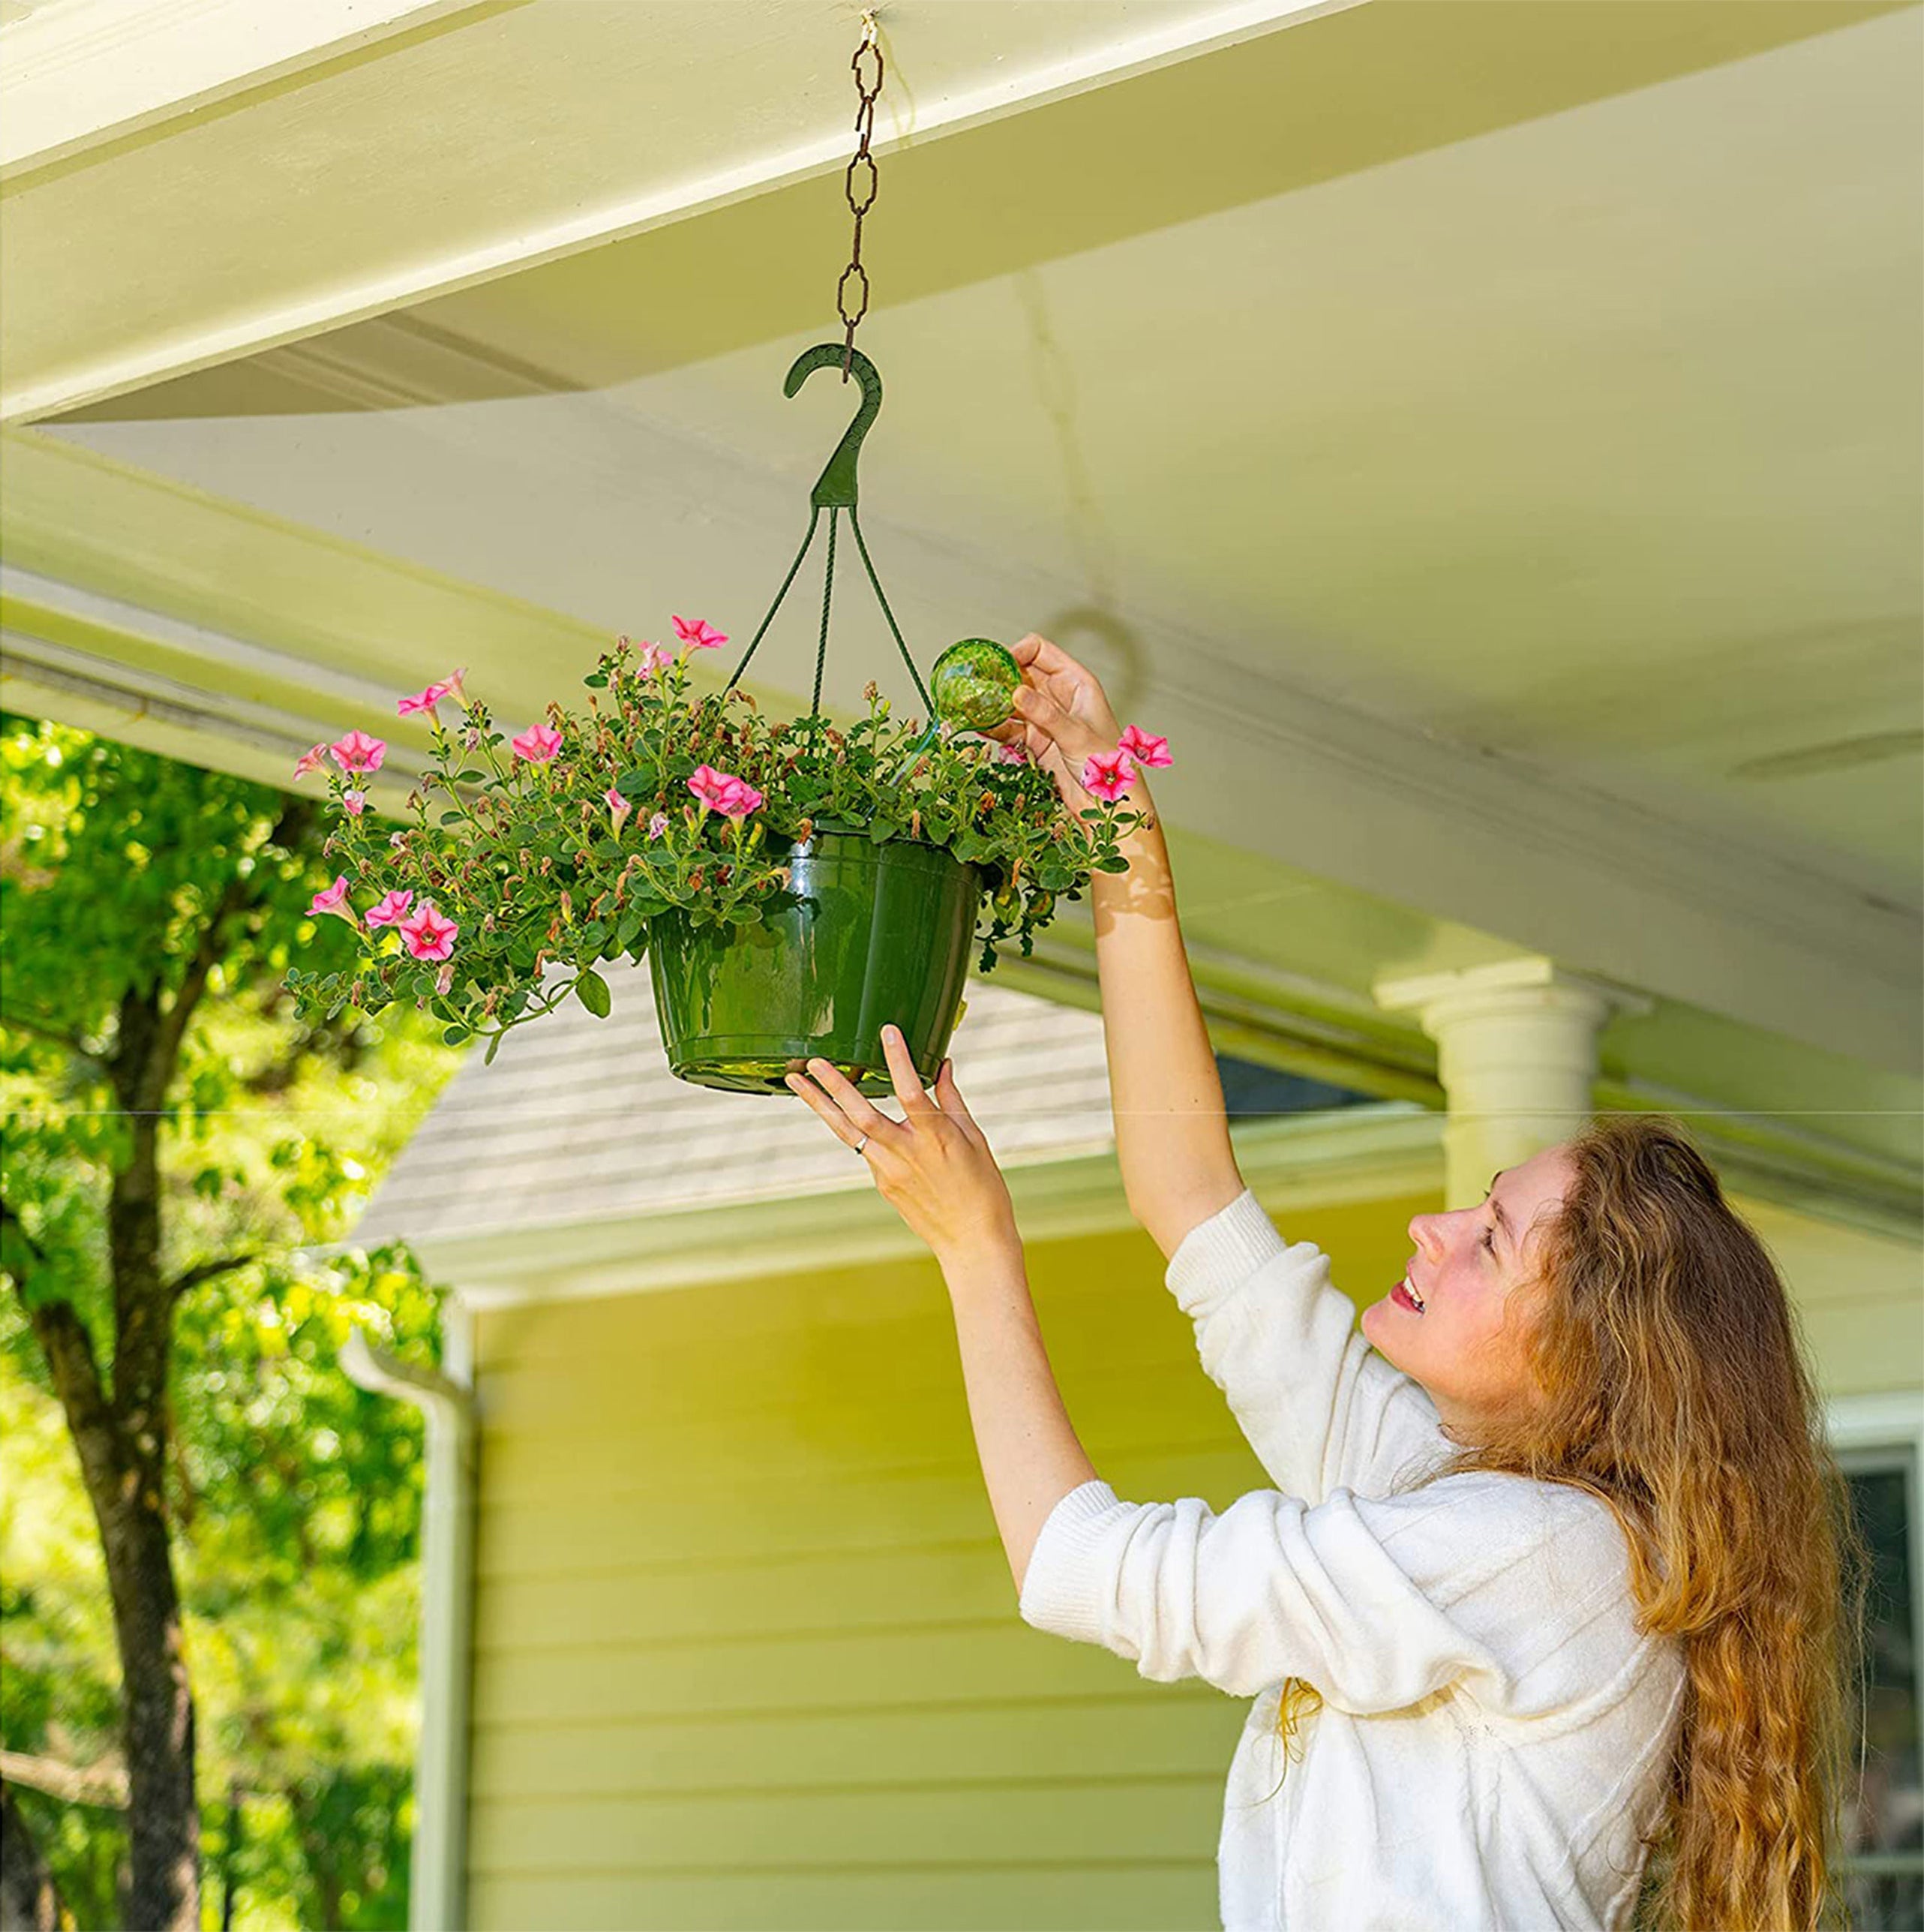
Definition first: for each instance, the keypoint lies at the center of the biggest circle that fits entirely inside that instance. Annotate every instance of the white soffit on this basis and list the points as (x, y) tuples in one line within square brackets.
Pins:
[(517, 133)]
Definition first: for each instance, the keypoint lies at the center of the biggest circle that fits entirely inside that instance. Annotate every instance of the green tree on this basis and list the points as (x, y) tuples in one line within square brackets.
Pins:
[(172, 1131)]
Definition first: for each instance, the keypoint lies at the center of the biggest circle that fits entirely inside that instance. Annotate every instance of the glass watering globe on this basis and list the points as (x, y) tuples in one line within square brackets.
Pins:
[(974, 683)]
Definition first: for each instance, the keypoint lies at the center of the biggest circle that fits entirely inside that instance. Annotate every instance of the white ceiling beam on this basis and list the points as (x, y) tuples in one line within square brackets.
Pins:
[(92, 71), (461, 243)]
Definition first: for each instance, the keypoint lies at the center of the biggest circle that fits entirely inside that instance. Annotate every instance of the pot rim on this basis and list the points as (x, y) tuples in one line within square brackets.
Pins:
[(861, 832)]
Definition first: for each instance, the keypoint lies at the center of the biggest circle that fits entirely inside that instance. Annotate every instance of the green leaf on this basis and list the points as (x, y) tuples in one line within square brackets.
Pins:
[(452, 817), (591, 990), (493, 1048), (635, 782), (883, 830), (453, 1036), (596, 680), (632, 921), (1117, 863)]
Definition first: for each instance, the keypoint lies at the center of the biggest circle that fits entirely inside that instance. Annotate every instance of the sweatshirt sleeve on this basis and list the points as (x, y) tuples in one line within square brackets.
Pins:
[(1319, 1405), (1481, 1579)]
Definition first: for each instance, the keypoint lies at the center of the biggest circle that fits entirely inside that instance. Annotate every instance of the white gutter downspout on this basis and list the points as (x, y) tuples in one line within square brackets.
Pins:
[(437, 1880)]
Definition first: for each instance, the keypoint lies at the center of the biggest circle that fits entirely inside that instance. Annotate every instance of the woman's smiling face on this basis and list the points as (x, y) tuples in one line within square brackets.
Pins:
[(1474, 1272)]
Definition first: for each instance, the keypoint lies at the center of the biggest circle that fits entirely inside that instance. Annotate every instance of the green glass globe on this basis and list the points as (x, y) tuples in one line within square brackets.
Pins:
[(974, 683)]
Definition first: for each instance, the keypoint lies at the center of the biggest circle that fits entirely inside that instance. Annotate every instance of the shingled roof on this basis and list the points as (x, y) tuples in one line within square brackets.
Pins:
[(579, 1119)]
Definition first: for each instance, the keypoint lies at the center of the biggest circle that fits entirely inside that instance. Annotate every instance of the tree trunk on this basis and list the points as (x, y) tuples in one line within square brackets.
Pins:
[(164, 1820), (121, 1465), (29, 1902), (120, 1440)]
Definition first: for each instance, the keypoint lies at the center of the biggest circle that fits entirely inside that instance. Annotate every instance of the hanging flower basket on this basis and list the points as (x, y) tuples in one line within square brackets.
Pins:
[(795, 887), (863, 936)]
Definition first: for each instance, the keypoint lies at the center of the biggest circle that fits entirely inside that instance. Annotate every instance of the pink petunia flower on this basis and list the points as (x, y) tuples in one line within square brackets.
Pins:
[(537, 744), (426, 699), (650, 658), (391, 910), (698, 634), (333, 899), (1144, 750), (356, 802), (658, 825), (722, 791), (428, 935), (310, 761), (1011, 754), (357, 752), (1107, 775), (619, 808)]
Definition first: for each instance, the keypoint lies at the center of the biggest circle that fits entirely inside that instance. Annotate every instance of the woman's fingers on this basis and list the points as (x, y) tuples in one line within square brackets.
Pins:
[(835, 1097), (901, 1071), (950, 1100), (1038, 708), (1048, 660), (844, 1129)]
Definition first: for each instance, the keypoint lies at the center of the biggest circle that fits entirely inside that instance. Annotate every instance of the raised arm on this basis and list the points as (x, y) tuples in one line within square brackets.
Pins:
[(1171, 1133)]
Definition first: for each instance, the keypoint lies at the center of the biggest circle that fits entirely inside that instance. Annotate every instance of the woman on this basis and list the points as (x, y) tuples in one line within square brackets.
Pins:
[(1553, 1577)]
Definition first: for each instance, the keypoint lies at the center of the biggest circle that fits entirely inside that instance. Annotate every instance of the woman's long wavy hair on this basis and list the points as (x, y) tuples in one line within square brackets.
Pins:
[(1672, 1382)]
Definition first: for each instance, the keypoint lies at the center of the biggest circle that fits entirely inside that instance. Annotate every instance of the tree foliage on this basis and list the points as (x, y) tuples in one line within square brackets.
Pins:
[(160, 1092)]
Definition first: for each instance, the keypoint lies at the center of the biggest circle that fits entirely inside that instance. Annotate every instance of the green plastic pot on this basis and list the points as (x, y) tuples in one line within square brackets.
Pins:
[(863, 936)]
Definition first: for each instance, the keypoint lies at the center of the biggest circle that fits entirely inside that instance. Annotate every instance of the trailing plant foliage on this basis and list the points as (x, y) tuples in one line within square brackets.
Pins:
[(562, 846)]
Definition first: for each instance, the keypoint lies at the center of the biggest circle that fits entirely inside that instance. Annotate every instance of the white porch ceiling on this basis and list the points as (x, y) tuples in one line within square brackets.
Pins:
[(1487, 437)]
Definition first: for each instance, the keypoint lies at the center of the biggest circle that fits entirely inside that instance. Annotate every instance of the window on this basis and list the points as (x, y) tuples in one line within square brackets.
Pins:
[(1884, 1812), (1252, 1090)]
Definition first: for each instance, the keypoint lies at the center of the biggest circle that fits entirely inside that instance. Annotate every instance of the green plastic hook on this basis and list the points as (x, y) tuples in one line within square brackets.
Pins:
[(835, 488)]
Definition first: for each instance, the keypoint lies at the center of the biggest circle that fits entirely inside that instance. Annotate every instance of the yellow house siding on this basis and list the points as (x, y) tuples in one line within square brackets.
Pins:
[(747, 1649)]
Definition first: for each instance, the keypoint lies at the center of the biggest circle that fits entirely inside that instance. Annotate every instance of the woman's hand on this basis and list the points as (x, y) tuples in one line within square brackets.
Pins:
[(934, 1168), (1062, 715)]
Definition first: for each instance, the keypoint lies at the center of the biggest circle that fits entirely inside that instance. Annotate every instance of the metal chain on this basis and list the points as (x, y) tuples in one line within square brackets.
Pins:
[(865, 124)]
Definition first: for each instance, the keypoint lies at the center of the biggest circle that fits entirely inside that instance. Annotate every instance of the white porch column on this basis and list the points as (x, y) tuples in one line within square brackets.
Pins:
[(1516, 1055)]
